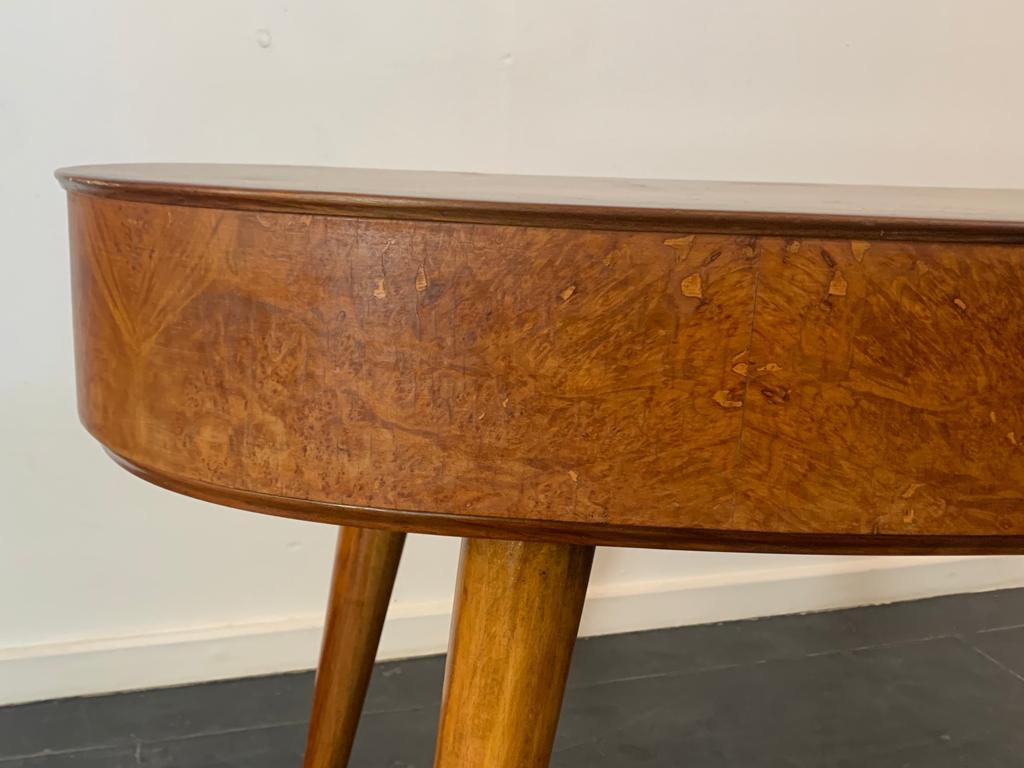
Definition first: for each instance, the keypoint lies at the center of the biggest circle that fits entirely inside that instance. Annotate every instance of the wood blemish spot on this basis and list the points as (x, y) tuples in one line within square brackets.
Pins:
[(838, 285), (724, 398), (681, 245), (381, 292), (568, 293), (960, 304), (421, 279), (574, 476), (793, 247), (504, 403), (611, 256), (1012, 437), (770, 367), (908, 518), (692, 286), (911, 490), (992, 416), (776, 395), (827, 258), (859, 248), (741, 369)]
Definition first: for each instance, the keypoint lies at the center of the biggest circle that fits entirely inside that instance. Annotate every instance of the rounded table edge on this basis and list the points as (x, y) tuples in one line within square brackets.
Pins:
[(526, 529)]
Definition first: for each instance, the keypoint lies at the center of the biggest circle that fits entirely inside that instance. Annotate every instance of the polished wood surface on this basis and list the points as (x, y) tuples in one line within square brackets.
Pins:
[(516, 616), (583, 533), (806, 210), (364, 573), (545, 365), (714, 391)]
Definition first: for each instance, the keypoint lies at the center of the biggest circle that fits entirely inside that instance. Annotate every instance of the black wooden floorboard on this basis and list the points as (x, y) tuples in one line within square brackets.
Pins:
[(886, 706), (933, 683), (146, 716)]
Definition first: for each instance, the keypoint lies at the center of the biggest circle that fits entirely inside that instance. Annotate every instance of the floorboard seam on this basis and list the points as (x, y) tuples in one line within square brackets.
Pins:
[(879, 646), (226, 732), (71, 751), (993, 660), (998, 629)]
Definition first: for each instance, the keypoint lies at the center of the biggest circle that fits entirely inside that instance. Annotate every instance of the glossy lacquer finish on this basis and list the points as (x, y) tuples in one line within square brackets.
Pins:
[(579, 382)]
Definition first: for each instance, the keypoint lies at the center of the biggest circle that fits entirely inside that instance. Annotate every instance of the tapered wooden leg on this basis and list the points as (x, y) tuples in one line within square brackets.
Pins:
[(516, 616), (364, 573)]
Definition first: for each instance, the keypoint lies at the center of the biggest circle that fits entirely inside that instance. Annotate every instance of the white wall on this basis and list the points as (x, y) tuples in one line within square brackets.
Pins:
[(108, 583)]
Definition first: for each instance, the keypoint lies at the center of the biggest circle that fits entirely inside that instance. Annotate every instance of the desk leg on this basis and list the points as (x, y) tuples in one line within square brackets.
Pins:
[(516, 616), (364, 573)]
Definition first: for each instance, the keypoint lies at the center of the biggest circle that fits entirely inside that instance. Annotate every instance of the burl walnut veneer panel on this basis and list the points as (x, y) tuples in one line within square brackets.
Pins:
[(663, 380)]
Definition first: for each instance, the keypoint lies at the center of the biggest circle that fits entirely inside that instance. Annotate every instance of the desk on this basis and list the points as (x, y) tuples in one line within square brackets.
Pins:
[(540, 365)]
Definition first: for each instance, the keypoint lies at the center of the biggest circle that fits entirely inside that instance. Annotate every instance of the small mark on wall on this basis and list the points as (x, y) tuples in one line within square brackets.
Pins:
[(263, 38)]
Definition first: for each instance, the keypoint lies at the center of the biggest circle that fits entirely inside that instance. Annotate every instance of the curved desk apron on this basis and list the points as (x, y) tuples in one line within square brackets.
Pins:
[(541, 365)]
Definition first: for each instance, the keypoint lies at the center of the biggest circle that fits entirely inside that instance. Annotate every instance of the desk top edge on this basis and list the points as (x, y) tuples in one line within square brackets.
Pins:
[(755, 208)]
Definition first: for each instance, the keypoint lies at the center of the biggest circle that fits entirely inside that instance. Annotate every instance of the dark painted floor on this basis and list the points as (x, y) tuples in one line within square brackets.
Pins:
[(933, 683)]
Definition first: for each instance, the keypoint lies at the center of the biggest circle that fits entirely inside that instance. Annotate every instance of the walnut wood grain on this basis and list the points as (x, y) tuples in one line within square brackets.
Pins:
[(643, 388), (364, 574), (656, 205), (517, 612), (884, 385), (562, 362), (608, 534)]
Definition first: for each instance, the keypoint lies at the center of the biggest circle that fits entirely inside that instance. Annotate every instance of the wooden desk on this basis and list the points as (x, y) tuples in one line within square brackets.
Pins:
[(541, 365)]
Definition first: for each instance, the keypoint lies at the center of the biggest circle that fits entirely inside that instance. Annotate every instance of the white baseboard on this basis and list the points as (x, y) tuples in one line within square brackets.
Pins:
[(103, 665)]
